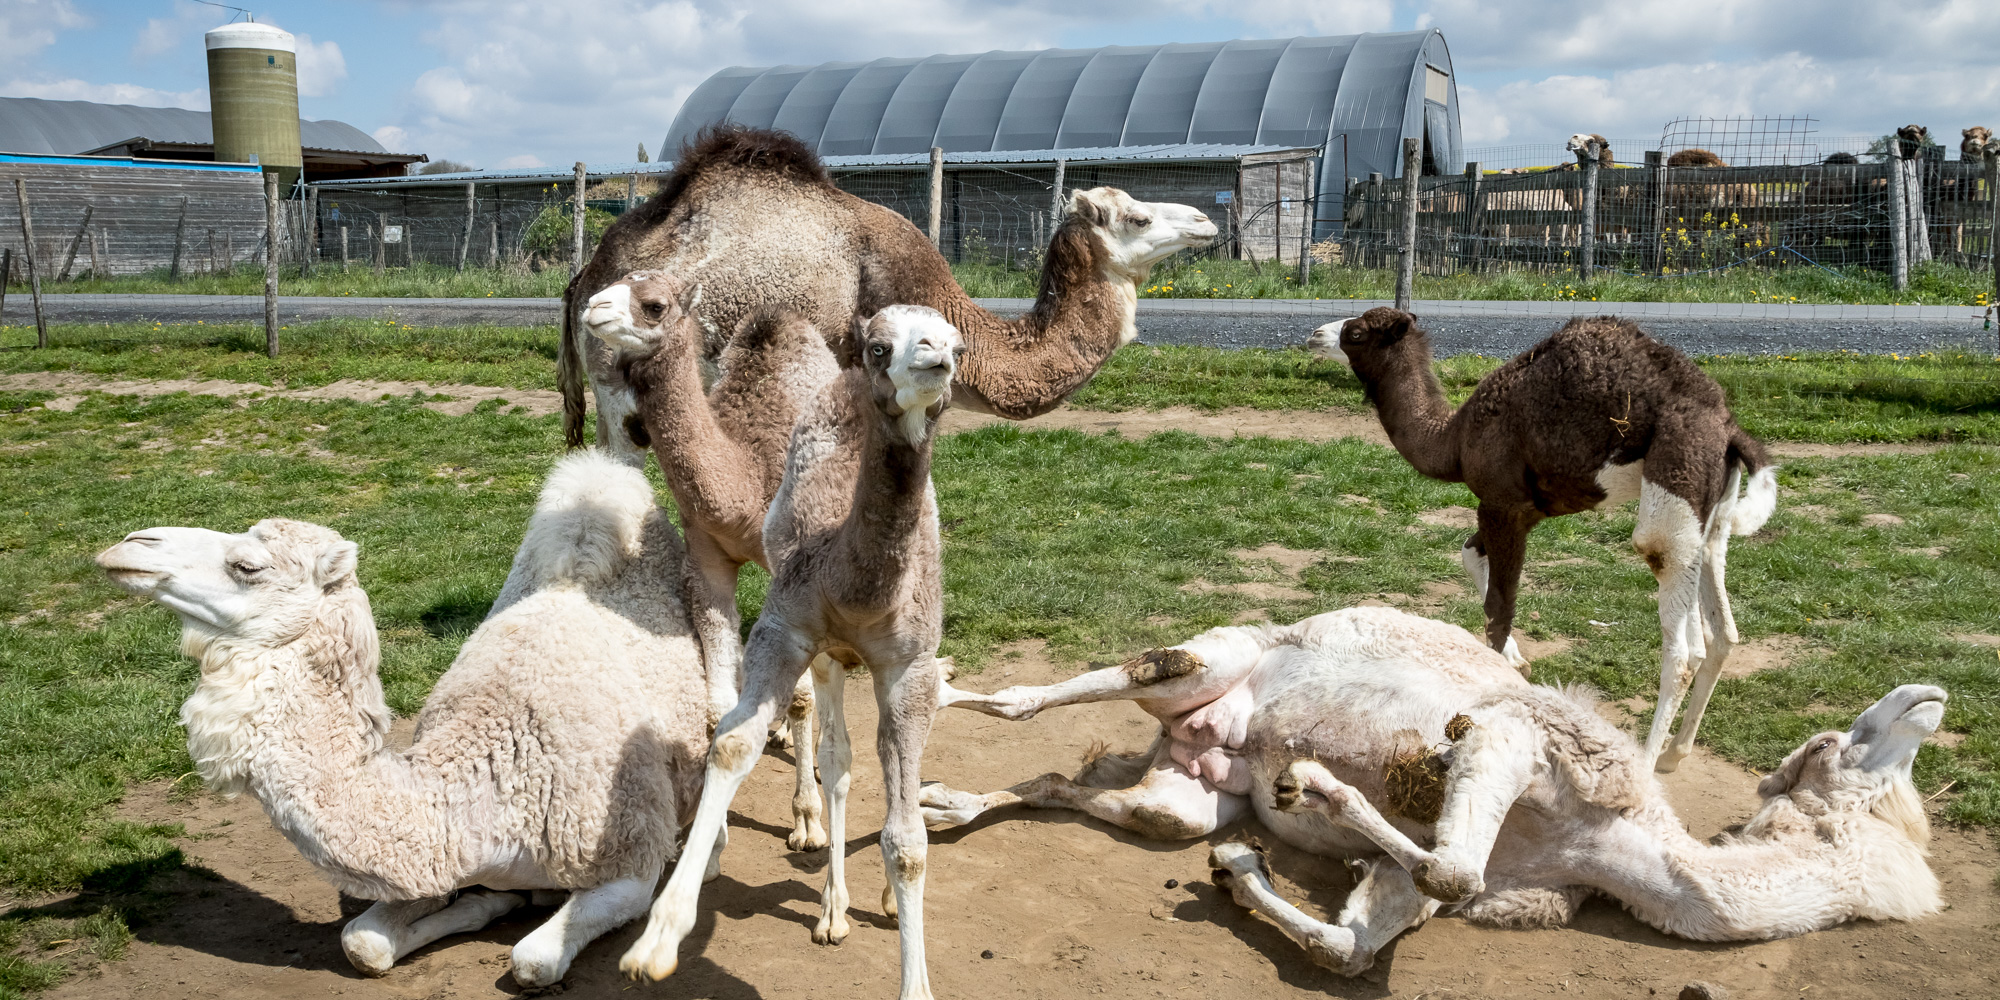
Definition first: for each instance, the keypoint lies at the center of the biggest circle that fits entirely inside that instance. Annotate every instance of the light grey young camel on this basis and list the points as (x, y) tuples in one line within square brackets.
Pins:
[(1596, 415), (852, 538), (723, 456), (1326, 729), (749, 218)]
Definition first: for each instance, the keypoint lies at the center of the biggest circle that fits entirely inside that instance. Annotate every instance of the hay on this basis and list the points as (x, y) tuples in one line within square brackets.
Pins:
[(1413, 780)]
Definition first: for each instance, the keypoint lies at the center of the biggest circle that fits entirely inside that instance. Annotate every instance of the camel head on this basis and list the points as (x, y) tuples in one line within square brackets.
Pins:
[(1139, 234), (1325, 341), (1978, 140), (909, 354), (1867, 768), (265, 585), (1367, 342), (1910, 139), (635, 313), (1580, 145)]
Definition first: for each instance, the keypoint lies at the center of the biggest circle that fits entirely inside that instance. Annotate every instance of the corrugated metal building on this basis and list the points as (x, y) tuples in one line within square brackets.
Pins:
[(1351, 98), (332, 149)]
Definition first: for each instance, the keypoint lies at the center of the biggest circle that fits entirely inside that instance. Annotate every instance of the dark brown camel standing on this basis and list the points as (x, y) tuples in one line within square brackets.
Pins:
[(1597, 414), (749, 218)]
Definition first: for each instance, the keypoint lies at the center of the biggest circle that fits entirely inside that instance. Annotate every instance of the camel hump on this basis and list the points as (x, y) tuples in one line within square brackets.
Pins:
[(737, 148)]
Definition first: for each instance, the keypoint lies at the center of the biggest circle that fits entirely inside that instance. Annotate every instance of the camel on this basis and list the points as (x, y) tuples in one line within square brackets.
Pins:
[(1594, 416), (1323, 728), (723, 456), (557, 753), (852, 538), (1975, 142), (749, 217)]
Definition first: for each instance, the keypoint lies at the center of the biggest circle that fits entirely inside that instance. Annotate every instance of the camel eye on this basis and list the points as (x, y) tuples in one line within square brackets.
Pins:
[(653, 310), (1139, 221), (246, 569), (878, 350), (1824, 745)]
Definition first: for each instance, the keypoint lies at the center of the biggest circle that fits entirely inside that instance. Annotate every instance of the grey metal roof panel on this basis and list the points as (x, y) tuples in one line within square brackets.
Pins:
[(972, 116), (759, 103), (1163, 102), (33, 125), (1095, 115), (709, 103), (806, 108), (1298, 107), (857, 115), (1035, 107), (910, 122), (1230, 104)]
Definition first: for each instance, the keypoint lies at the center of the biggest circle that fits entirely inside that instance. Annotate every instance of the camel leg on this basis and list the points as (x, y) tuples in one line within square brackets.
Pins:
[(1506, 536), (906, 697), (836, 765), (1491, 766), (1719, 622), (544, 956), (777, 655), (1307, 786), (808, 832), (1167, 804), (1195, 672), (708, 584), (1671, 538), (1383, 904), (1477, 566), (385, 932)]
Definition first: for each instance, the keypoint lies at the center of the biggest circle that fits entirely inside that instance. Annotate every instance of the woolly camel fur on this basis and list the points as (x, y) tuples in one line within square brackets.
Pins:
[(1319, 726), (557, 753), (749, 218), (724, 457), (852, 539), (1594, 416)]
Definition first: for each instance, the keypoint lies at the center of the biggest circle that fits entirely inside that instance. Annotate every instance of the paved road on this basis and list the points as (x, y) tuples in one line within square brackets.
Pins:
[(1457, 327)]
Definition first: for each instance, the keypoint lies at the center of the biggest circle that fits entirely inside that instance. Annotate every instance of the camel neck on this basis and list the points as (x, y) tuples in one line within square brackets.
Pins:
[(698, 459), (1412, 407), (1083, 311), (892, 505)]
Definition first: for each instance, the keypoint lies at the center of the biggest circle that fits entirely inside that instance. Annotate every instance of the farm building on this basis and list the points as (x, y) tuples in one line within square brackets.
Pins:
[(1259, 134), (333, 150)]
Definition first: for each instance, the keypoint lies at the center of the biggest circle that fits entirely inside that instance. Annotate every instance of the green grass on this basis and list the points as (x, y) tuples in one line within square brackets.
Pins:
[(1035, 524), (311, 354), (1948, 396), (417, 281), (1191, 277)]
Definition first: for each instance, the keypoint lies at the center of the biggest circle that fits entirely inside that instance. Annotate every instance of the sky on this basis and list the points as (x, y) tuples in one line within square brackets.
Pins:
[(511, 84)]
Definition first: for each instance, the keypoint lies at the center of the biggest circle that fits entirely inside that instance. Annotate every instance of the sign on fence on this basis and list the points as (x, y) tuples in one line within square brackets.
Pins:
[(392, 234)]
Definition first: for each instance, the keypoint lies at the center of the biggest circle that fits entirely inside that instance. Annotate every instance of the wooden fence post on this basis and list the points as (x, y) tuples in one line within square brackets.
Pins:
[(1899, 221), (1656, 181), (180, 229), (465, 241), (343, 250), (309, 232), (937, 197), (631, 191), (6, 275), (34, 276), (212, 263), (1587, 158), (1993, 233), (96, 263), (576, 229), (381, 234), (1406, 272), (1475, 211), (271, 265), (1056, 200), (76, 243), (1309, 223), (493, 243)]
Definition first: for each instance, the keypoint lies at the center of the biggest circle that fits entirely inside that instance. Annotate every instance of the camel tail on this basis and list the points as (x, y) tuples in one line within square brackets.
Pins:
[(570, 372), (1761, 499)]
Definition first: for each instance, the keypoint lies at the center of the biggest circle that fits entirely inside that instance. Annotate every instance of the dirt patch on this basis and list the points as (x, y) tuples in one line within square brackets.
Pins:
[(1463, 518), (1235, 421), (1932, 551), (1811, 511), (1290, 562), (1812, 449), (1880, 520), (1068, 906), (1258, 589), (1978, 639), (536, 402), (1771, 652), (1535, 649)]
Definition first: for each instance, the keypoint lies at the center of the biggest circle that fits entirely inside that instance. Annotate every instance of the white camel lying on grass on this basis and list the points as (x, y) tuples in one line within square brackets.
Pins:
[(558, 753), (1325, 729)]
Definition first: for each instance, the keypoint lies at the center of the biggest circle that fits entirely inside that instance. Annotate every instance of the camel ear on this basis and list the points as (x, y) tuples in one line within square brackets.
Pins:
[(337, 564), (850, 350), (1082, 204)]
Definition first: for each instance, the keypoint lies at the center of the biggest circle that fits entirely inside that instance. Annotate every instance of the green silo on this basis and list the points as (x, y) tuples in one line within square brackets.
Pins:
[(253, 98)]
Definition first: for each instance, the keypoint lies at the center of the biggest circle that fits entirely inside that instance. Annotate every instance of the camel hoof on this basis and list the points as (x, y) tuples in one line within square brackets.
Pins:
[(1333, 948), (370, 952), (1668, 762), (806, 839), (1446, 882), (645, 963), (889, 901), (944, 807), (831, 931)]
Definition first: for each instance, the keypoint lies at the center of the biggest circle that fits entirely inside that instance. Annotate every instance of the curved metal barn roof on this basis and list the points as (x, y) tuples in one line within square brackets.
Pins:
[(1293, 92), (33, 125)]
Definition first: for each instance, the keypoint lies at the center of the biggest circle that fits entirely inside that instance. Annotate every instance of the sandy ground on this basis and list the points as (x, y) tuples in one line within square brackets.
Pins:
[(1235, 421), (1068, 906)]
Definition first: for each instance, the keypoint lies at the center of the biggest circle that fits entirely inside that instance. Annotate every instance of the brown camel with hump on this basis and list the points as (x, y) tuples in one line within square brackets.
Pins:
[(723, 456), (750, 218), (1596, 415)]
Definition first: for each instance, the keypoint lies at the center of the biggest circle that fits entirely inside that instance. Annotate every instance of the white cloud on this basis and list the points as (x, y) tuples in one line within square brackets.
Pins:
[(29, 26), (523, 161), (393, 138), (165, 34), (106, 93), (321, 67)]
